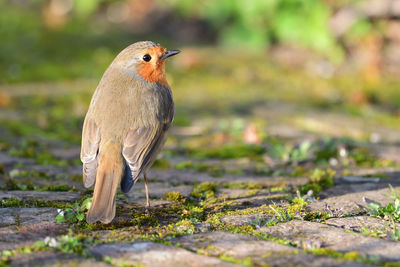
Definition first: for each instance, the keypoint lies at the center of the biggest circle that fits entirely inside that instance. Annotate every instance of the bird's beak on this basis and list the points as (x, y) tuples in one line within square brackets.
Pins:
[(169, 53)]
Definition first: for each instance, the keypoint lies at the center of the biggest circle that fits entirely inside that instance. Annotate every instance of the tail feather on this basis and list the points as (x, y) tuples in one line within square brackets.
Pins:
[(108, 178), (127, 179)]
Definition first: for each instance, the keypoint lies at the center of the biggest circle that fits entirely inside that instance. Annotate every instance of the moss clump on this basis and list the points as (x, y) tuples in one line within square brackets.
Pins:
[(19, 203), (350, 256), (204, 190), (174, 196), (58, 188), (145, 220), (319, 180), (11, 184), (241, 185), (11, 203), (278, 189), (196, 213), (316, 216), (244, 262), (186, 226)]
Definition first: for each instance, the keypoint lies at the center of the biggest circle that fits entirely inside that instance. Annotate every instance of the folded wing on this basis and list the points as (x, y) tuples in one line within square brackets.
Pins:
[(89, 151), (140, 150)]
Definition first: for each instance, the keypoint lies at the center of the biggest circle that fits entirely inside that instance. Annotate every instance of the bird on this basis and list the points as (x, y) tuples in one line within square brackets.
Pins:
[(126, 125)]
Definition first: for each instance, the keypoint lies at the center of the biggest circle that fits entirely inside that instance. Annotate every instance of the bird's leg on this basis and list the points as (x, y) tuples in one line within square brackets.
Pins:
[(146, 185)]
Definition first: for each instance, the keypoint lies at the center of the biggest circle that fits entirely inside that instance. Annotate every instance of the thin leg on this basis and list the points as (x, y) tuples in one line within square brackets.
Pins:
[(146, 185)]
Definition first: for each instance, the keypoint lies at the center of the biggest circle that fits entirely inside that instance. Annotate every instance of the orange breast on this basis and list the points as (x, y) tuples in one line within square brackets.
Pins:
[(154, 71)]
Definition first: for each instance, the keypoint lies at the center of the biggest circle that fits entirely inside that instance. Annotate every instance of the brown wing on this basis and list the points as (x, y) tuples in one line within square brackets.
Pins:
[(89, 149), (140, 149)]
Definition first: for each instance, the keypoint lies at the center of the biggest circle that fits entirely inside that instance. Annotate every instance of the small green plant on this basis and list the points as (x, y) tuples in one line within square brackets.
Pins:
[(301, 152), (259, 222), (67, 243), (74, 214), (390, 212)]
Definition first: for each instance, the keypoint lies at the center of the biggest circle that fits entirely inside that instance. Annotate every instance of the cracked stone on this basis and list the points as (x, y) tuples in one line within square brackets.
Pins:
[(41, 195), (260, 252), (157, 191), (243, 219), (153, 254), (335, 238), (25, 226), (52, 258), (191, 177), (356, 223), (8, 160), (349, 202)]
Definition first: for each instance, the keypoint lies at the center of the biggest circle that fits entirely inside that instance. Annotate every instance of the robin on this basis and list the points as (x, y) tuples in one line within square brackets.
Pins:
[(126, 125)]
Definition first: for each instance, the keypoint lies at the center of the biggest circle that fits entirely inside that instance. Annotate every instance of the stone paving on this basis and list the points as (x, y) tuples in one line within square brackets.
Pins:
[(227, 212)]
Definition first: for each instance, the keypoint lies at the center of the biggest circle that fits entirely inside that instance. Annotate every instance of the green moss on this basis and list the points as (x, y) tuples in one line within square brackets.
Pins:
[(298, 172), (391, 264), (314, 187), (71, 243), (204, 190), (77, 178), (242, 185), (161, 164), (18, 203), (58, 188), (28, 173), (278, 189), (235, 172), (319, 180), (229, 151), (215, 171), (12, 184), (317, 215), (174, 196), (145, 220), (5, 255), (244, 262), (186, 226), (350, 256), (30, 148)]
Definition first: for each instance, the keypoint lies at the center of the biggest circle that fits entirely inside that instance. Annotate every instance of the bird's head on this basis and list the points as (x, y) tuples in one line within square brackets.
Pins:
[(146, 59)]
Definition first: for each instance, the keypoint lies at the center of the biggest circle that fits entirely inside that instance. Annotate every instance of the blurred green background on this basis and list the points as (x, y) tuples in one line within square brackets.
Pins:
[(69, 39), (239, 56)]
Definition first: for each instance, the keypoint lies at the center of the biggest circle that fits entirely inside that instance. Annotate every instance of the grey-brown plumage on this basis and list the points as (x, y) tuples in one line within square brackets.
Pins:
[(126, 125)]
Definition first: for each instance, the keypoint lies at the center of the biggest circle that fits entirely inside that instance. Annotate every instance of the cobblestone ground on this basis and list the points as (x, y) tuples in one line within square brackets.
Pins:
[(282, 185)]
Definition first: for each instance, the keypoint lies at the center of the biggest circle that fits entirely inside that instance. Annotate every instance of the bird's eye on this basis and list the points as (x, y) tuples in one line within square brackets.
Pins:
[(147, 57)]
